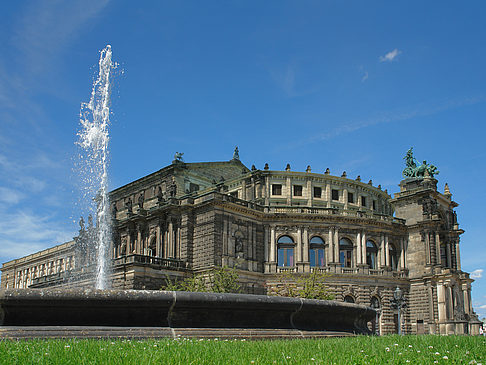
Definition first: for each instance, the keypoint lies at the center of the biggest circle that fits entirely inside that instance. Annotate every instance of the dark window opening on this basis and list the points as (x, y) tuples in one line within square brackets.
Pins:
[(317, 192), (193, 187), (334, 194), (234, 194), (350, 198), (276, 189), (374, 204), (363, 201), (349, 299), (297, 190)]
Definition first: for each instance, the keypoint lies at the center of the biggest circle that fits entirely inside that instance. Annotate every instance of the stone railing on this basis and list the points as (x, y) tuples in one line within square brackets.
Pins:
[(348, 271), (283, 269), (159, 262), (332, 211)]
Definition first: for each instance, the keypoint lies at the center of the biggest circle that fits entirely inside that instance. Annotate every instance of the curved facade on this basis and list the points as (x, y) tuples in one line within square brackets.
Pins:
[(190, 217)]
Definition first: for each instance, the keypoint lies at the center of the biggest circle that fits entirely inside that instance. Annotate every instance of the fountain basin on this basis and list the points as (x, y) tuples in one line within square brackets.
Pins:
[(143, 313)]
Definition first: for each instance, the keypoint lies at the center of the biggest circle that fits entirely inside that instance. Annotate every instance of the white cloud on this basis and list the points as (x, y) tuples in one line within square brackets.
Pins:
[(390, 56), (390, 117), (482, 307), (10, 196), (477, 274), (23, 233), (47, 26), (365, 77)]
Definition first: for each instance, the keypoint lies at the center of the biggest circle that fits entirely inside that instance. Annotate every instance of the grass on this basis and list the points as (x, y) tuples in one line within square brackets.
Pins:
[(355, 350)]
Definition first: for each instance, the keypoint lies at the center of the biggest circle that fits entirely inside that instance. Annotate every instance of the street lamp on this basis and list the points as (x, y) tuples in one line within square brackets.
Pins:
[(398, 302)]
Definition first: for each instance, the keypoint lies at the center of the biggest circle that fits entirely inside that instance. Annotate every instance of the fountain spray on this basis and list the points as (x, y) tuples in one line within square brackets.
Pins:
[(93, 139)]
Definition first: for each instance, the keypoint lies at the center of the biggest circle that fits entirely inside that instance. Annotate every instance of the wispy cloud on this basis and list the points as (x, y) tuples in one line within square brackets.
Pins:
[(390, 56), (477, 274), (22, 233), (10, 196), (365, 77), (390, 117), (47, 26)]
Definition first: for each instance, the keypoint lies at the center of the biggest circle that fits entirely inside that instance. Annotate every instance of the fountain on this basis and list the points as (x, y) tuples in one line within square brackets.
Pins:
[(93, 139), (108, 313)]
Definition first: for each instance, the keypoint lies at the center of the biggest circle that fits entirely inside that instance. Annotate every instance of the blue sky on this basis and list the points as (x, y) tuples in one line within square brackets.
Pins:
[(339, 84)]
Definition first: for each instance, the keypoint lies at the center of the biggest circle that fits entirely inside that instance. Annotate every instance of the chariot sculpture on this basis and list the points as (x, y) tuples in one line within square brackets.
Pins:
[(416, 171)]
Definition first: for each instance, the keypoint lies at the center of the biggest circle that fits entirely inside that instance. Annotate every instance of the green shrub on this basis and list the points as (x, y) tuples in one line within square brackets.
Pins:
[(216, 280), (308, 286)]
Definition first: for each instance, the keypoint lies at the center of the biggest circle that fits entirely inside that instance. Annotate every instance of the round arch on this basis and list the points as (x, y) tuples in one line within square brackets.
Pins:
[(285, 251), (345, 252), (317, 251), (371, 254)]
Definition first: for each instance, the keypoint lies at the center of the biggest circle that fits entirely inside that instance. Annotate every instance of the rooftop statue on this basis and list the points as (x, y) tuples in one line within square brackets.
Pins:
[(236, 154), (412, 170), (178, 157)]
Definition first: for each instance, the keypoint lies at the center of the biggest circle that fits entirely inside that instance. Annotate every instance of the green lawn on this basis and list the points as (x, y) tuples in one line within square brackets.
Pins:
[(356, 350)]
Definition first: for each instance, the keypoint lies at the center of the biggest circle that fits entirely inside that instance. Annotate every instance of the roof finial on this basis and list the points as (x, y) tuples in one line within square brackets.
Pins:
[(287, 168), (447, 191), (308, 169)]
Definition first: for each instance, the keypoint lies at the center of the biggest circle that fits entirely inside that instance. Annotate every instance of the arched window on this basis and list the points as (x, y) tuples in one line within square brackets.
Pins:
[(349, 299), (345, 252), (371, 252), (316, 252), (152, 248), (285, 251), (393, 256)]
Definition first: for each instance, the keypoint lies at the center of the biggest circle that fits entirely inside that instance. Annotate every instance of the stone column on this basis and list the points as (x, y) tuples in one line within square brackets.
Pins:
[(345, 198), (458, 258), (139, 241), (328, 195), (170, 243), (158, 240), (267, 190), (310, 193), (243, 189), (381, 252), (465, 296), (336, 244), (330, 254), (437, 249), (273, 243), (441, 302), (359, 250), (288, 188), (363, 247), (387, 252), (448, 254), (265, 243), (402, 254), (298, 253), (306, 245), (433, 249), (178, 242)]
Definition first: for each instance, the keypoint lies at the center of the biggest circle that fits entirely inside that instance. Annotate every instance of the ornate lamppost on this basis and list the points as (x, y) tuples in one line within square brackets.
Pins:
[(398, 302)]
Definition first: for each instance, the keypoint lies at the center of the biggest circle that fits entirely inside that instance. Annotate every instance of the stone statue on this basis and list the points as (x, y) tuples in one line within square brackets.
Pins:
[(412, 170), (128, 205), (114, 210), (172, 190), (178, 157), (81, 224), (141, 199), (236, 154), (90, 221)]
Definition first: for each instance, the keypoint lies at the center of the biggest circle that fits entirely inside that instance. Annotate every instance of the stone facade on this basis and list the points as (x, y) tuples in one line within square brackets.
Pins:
[(190, 217)]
